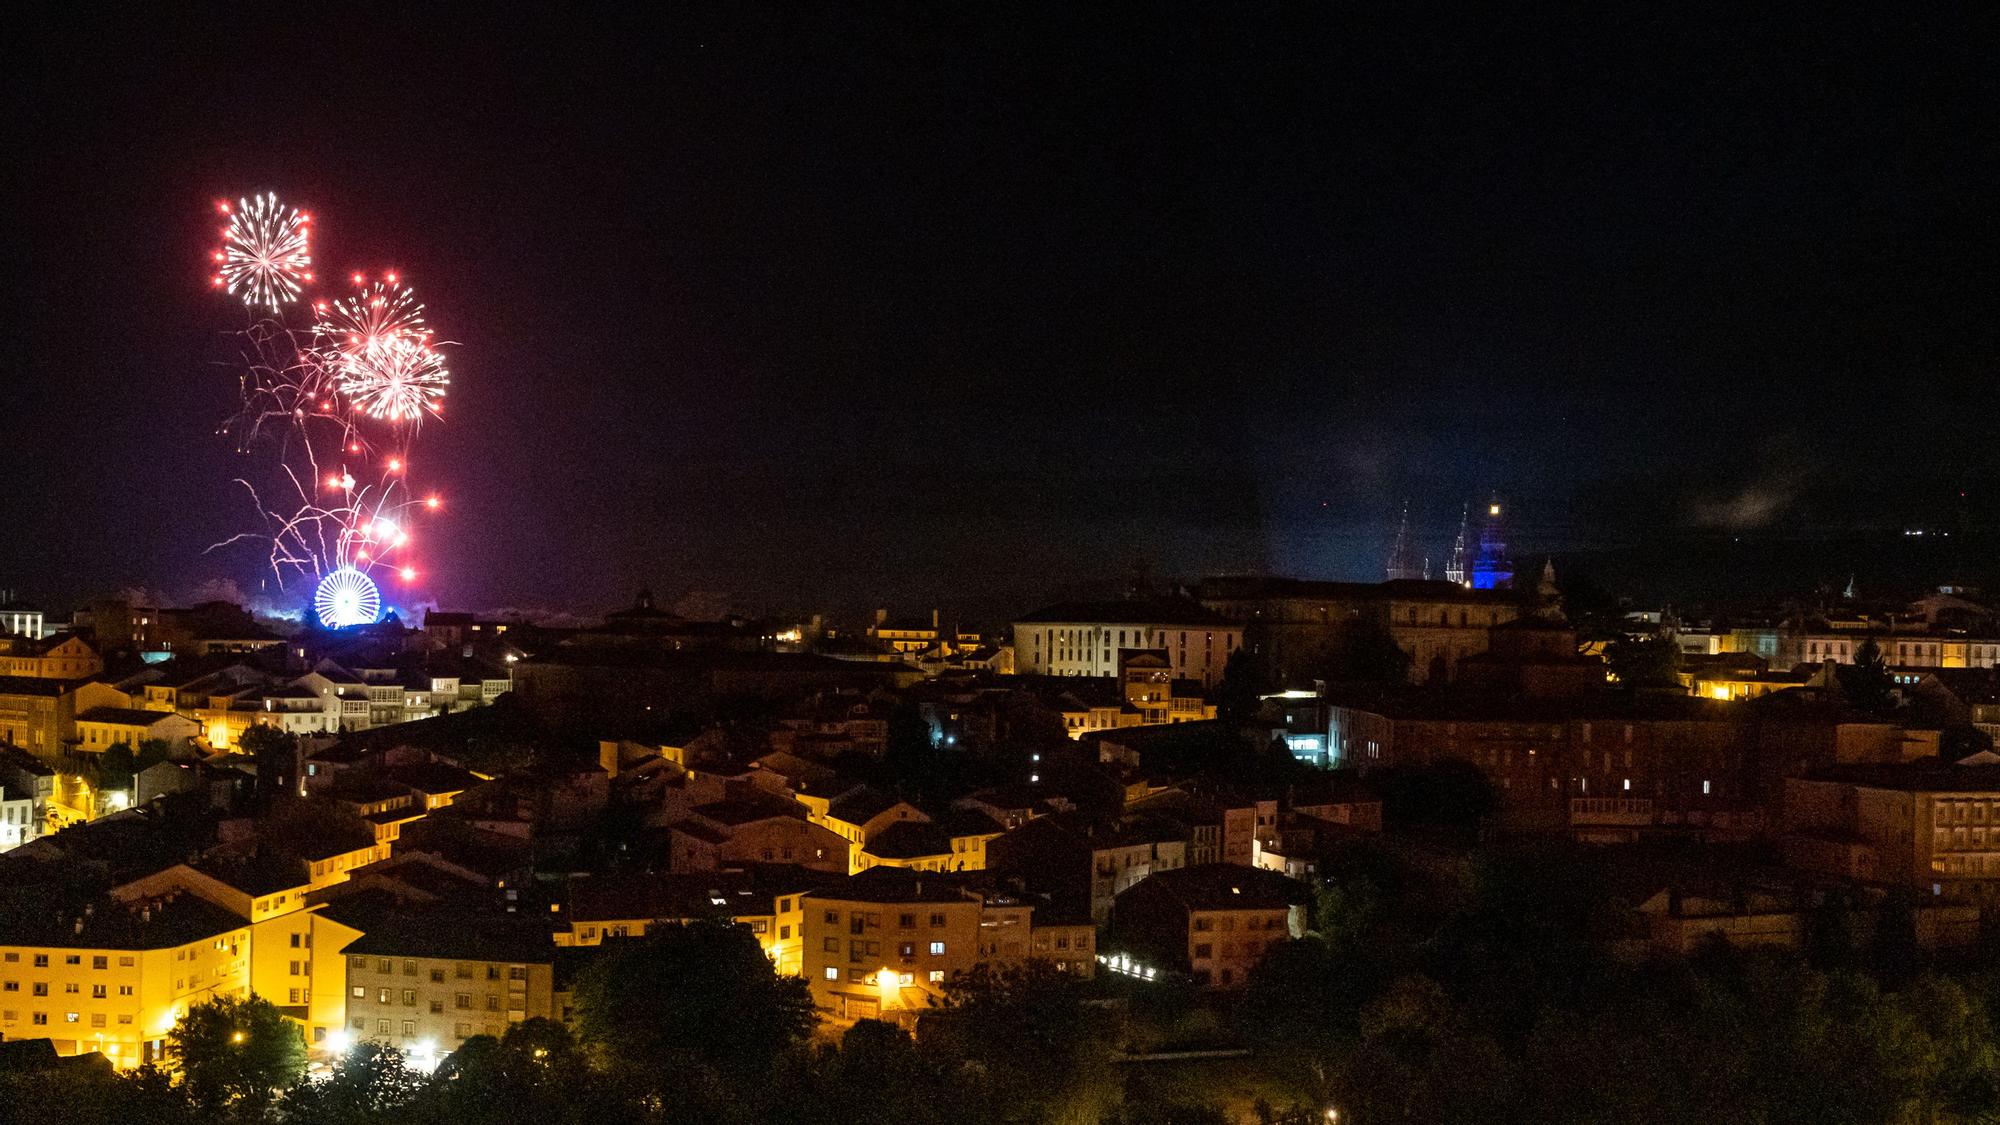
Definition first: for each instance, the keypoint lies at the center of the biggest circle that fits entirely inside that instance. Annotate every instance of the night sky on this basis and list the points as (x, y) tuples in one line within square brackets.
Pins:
[(843, 309)]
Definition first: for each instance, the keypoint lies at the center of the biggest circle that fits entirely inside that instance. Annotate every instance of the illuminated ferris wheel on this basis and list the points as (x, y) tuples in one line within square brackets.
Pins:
[(347, 597)]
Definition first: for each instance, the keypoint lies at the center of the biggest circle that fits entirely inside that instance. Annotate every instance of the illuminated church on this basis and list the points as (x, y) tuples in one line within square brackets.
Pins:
[(1486, 567)]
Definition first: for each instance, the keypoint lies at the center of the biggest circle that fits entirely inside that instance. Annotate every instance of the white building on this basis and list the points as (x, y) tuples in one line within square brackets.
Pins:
[(1085, 638), (22, 620)]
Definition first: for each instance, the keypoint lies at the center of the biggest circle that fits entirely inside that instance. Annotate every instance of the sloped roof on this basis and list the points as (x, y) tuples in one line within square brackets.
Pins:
[(749, 810), (27, 917), (889, 885), (1141, 611), (861, 805), (129, 716), (1224, 886), (450, 929), (38, 685), (909, 839)]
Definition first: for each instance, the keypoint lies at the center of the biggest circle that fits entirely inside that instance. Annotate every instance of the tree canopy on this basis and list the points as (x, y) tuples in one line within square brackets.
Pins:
[(655, 1007), (235, 1051)]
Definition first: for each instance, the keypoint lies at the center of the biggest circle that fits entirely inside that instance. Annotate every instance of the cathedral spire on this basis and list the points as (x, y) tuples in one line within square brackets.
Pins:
[(1457, 568), (1403, 562)]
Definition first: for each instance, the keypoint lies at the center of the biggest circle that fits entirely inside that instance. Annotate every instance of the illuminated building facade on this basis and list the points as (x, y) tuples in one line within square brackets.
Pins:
[(906, 637), (39, 715), (62, 657), (21, 620), (427, 988), (1492, 569), (1091, 638), (882, 945), (101, 728), (115, 977)]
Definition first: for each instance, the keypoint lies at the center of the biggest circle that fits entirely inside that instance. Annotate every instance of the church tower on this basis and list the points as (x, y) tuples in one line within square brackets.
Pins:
[(1456, 569), (1492, 569), (1403, 562)]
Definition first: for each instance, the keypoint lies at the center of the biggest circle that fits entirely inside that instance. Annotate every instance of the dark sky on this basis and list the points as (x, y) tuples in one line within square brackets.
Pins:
[(846, 309)]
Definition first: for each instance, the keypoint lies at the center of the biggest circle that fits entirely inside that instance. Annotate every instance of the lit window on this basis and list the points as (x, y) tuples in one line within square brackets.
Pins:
[(832, 973), (937, 949)]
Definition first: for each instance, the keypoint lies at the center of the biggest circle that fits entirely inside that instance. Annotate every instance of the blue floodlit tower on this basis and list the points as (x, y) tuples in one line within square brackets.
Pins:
[(1492, 569)]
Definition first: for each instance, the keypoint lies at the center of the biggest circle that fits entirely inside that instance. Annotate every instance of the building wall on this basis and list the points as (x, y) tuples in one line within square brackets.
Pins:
[(69, 660), (42, 724), (20, 821), (1949, 842), (295, 963), (1692, 770), (777, 840), (1224, 945), (121, 1002), (941, 862), (1791, 648), (414, 1003), (1005, 934), (968, 853), (1070, 947), (1241, 829), (848, 944), (1093, 648), (337, 868), (1289, 632), (174, 729), (1359, 738), (1114, 869), (1956, 842)]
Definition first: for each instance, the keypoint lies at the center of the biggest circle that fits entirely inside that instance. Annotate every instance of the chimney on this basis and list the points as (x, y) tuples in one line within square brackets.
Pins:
[(881, 616), (78, 927), (934, 618)]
